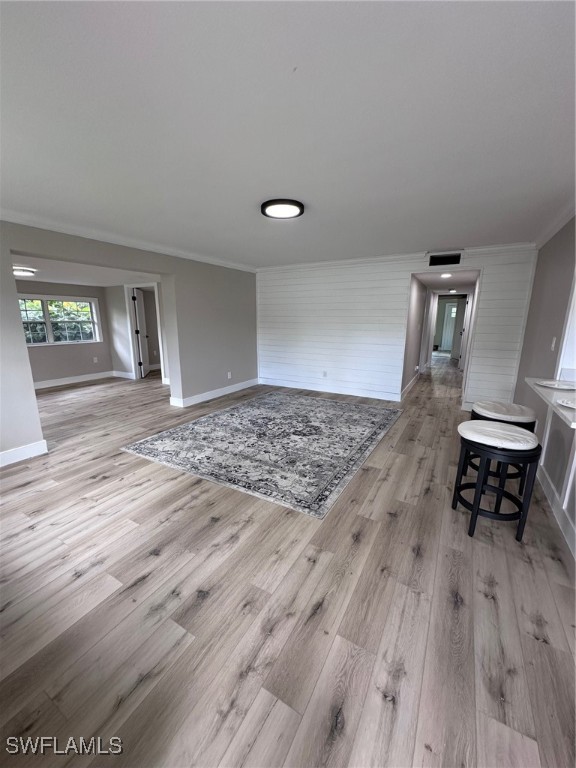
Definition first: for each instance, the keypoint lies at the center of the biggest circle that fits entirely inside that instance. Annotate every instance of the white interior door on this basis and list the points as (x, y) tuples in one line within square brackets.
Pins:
[(458, 330), (449, 323), (140, 331)]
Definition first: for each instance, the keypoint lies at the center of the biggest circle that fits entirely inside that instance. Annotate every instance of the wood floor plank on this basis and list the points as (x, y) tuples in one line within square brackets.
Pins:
[(326, 733), (501, 747), (156, 732), (370, 604), (56, 656), (551, 681), (446, 732), (27, 640), (40, 717), (387, 728), (565, 598), (536, 609), (294, 674), (108, 708), (265, 735), (501, 685), (279, 612)]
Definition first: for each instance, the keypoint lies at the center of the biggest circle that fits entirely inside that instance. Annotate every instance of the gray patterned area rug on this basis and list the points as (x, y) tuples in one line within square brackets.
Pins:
[(295, 450)]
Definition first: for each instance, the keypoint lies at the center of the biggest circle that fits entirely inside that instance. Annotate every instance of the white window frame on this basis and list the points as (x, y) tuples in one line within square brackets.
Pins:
[(51, 343)]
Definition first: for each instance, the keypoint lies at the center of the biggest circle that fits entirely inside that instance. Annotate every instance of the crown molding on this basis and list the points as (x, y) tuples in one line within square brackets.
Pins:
[(560, 220), (13, 217), (487, 250)]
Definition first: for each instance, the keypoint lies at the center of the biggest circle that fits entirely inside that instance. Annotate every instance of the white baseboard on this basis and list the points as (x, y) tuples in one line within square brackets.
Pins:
[(155, 367), (195, 399), (339, 390), (409, 386), (23, 452), (566, 525), (123, 374), (84, 377), (73, 379)]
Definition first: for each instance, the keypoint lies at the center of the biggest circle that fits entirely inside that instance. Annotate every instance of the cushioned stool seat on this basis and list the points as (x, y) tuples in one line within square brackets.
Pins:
[(509, 413), (498, 435), (497, 411), (508, 445)]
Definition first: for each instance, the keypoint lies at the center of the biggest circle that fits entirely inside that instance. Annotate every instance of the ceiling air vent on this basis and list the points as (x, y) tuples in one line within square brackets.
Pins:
[(443, 259)]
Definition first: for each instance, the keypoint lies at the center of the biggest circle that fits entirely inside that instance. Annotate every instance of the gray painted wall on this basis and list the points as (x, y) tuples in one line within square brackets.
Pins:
[(549, 307), (209, 313), (414, 325), (120, 349), (442, 301), (60, 361), (19, 419), (151, 327), (546, 317)]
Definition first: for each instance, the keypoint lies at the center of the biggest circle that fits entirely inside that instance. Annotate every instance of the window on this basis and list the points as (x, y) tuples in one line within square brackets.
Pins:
[(54, 320)]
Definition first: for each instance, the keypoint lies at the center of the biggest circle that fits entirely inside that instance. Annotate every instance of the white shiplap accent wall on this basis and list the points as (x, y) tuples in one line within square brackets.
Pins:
[(503, 302), (349, 319)]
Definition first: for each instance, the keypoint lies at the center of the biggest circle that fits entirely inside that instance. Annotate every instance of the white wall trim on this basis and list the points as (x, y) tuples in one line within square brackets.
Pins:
[(23, 452), (560, 220), (108, 237), (79, 379), (418, 256), (165, 380), (566, 525), (409, 386), (123, 375), (331, 389), (180, 402)]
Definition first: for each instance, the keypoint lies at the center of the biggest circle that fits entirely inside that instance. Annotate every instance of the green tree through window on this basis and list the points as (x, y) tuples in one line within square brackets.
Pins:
[(53, 321)]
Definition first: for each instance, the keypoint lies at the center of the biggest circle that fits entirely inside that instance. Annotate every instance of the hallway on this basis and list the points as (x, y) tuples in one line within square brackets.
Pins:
[(207, 627)]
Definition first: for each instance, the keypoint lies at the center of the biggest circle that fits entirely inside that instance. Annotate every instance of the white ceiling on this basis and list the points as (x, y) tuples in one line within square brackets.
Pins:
[(67, 273), (402, 126), (461, 279)]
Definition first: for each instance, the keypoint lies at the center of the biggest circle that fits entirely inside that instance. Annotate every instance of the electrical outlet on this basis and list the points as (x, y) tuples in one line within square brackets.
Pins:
[(417, 368), (324, 374), (95, 359), (229, 374), (553, 345)]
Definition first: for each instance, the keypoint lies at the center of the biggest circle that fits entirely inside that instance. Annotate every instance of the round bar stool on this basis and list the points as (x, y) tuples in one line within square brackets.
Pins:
[(509, 413), (508, 445)]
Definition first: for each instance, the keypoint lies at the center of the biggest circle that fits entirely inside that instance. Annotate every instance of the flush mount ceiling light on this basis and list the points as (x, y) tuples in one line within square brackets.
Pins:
[(452, 290), (23, 271), (446, 274), (282, 209)]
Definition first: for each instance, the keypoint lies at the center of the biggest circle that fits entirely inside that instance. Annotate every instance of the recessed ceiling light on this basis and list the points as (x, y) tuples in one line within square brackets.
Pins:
[(23, 271), (452, 290), (446, 274), (282, 209)]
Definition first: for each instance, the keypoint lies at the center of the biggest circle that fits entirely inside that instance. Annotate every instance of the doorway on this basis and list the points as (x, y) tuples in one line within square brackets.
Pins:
[(447, 322), (145, 329)]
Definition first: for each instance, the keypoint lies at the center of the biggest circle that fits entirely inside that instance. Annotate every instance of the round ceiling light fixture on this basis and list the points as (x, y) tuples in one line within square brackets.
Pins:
[(23, 271), (452, 290), (446, 274), (282, 209)]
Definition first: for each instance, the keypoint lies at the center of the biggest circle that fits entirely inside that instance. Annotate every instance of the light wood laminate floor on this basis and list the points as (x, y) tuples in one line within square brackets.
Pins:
[(206, 627)]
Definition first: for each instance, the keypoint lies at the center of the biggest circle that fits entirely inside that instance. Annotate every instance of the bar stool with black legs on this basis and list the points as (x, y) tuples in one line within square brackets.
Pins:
[(509, 413), (508, 445)]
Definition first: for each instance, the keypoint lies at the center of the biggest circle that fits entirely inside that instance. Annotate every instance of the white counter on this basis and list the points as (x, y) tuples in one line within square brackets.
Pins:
[(551, 397), (558, 494)]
